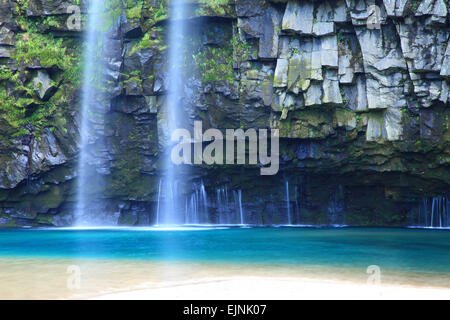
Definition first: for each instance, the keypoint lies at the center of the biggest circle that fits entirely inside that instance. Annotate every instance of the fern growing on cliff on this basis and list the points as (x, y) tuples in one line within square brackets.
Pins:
[(218, 7)]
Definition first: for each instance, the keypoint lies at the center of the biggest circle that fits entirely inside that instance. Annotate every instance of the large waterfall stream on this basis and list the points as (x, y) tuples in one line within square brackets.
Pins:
[(169, 199), (91, 103)]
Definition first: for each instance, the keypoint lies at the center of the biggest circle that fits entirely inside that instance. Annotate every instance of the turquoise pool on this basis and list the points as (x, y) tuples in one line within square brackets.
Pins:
[(408, 250)]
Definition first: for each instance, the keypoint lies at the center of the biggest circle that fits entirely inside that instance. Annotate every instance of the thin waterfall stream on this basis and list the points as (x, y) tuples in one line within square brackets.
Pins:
[(288, 204), (434, 213)]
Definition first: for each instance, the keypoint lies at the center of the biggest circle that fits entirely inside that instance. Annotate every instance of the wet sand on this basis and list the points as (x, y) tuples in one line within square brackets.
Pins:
[(37, 278)]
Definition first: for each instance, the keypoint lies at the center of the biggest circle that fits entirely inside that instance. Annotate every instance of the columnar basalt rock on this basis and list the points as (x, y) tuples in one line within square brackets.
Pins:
[(368, 106)]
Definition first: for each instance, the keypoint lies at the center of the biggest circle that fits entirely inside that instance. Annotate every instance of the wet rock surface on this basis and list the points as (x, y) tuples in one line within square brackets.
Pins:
[(368, 107)]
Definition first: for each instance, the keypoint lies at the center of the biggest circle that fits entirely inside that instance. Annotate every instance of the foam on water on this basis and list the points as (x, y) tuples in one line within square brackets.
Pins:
[(136, 229)]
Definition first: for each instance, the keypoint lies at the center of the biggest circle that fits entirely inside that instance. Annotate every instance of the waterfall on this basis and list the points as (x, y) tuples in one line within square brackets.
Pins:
[(219, 205), (159, 202), (226, 194), (204, 200), (336, 207), (434, 212), (196, 210), (91, 99), (171, 214), (238, 200), (223, 205), (192, 210), (297, 206), (288, 203), (425, 211)]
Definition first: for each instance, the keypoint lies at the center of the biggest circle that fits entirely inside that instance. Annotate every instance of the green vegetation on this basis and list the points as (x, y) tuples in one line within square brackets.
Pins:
[(217, 7), (126, 179), (131, 78), (241, 50), (157, 13), (23, 111), (20, 105), (216, 64), (113, 10), (147, 42), (126, 173), (134, 76), (414, 5), (42, 48), (38, 23), (133, 9)]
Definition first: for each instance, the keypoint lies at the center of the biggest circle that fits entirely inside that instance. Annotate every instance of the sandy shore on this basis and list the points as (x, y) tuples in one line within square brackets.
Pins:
[(256, 288), (34, 278)]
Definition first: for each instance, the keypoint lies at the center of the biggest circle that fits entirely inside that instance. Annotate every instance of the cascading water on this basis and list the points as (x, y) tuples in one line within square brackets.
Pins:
[(297, 206), (91, 98), (223, 204), (193, 218), (158, 208), (191, 213), (219, 205), (288, 203), (238, 200), (226, 207), (434, 213), (170, 201), (196, 206), (336, 207), (241, 211), (204, 198)]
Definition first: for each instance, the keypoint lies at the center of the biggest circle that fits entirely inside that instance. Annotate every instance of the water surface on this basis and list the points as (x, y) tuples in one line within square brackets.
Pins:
[(116, 257), (419, 250)]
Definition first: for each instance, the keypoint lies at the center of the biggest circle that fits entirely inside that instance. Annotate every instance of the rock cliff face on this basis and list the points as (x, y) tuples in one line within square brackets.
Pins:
[(359, 90)]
